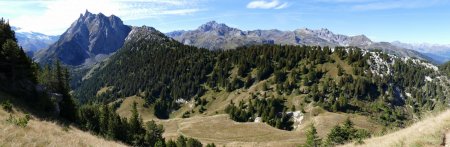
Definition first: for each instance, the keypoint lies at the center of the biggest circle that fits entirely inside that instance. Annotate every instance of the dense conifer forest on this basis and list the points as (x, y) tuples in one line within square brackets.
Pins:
[(339, 80)]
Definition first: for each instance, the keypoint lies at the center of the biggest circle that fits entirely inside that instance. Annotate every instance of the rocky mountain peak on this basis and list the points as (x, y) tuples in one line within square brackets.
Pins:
[(214, 26), (361, 38), (87, 37), (87, 13)]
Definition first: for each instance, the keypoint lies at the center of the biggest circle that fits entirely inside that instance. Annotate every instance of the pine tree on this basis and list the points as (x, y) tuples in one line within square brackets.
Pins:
[(181, 141), (312, 140), (193, 143), (136, 130), (171, 143), (153, 133), (159, 143), (6, 32), (68, 108)]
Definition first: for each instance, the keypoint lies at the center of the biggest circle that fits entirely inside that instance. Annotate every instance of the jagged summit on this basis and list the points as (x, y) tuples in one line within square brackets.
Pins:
[(89, 36), (213, 25)]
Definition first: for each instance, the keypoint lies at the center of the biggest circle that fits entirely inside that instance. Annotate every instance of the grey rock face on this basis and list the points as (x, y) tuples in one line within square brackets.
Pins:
[(89, 36), (213, 36), (144, 33)]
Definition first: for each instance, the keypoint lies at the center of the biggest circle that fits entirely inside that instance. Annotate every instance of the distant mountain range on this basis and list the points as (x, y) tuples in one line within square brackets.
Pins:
[(32, 42), (440, 53), (213, 35), (94, 37), (88, 40)]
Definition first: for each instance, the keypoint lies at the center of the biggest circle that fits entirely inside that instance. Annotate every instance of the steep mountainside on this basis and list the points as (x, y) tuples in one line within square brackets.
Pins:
[(89, 39), (144, 48), (32, 42), (213, 35)]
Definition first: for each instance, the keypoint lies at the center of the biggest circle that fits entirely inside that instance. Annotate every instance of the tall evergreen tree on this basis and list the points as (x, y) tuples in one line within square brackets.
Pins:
[(312, 139)]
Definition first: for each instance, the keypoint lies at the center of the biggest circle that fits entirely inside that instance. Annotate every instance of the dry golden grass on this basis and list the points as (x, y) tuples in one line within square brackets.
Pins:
[(428, 132), (125, 108), (218, 128), (223, 131), (104, 89), (327, 120), (45, 133)]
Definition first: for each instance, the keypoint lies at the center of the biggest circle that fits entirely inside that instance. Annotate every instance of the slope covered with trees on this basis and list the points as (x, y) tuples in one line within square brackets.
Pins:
[(22, 78), (166, 73), (445, 68), (45, 92), (17, 71)]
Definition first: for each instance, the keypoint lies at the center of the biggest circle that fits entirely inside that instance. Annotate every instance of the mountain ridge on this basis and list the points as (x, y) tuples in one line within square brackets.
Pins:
[(214, 36)]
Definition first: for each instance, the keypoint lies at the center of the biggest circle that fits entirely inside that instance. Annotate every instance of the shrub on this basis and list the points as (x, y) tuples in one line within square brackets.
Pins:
[(21, 121), (7, 106), (186, 114), (346, 133)]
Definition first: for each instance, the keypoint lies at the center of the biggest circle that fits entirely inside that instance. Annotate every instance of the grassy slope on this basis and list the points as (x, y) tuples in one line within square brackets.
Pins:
[(221, 130), (214, 126), (428, 132), (125, 108), (44, 133)]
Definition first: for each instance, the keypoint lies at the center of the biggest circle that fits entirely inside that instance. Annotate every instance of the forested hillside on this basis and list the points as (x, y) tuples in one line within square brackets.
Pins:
[(445, 68), (43, 93), (390, 89)]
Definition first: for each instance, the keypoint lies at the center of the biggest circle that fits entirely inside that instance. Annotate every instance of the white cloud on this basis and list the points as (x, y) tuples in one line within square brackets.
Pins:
[(284, 5), (263, 4), (57, 16)]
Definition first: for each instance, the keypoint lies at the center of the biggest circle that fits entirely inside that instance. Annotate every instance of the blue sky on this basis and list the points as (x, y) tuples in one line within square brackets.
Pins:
[(411, 21)]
